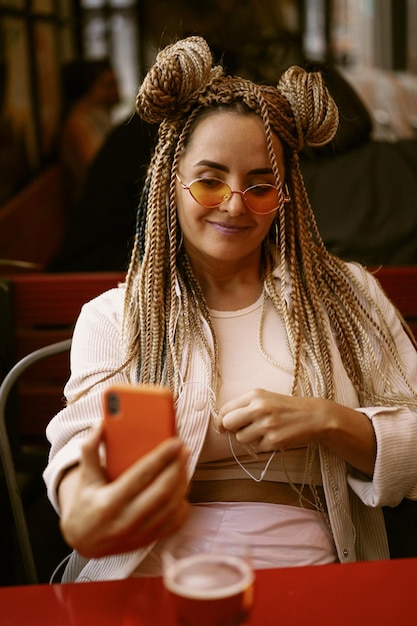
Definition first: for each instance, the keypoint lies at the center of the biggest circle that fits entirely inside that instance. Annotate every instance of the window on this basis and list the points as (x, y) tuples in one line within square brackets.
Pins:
[(36, 38), (112, 29)]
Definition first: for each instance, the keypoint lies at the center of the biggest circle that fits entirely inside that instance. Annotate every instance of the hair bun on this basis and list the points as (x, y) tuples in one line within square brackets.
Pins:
[(172, 85), (315, 112)]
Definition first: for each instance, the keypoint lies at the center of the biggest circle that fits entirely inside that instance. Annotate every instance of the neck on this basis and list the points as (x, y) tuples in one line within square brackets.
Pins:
[(231, 293), (228, 285)]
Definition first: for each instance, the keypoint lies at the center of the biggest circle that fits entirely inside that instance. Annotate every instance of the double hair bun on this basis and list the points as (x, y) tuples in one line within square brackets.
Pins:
[(184, 71), (180, 73)]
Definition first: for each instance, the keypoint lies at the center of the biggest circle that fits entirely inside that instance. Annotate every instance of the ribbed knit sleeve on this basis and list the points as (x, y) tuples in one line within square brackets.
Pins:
[(95, 352), (395, 474)]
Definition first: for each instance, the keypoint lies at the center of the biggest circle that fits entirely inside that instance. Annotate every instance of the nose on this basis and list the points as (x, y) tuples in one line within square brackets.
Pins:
[(234, 205)]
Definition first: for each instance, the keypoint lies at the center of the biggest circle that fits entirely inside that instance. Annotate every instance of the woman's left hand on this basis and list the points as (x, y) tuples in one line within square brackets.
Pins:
[(273, 421)]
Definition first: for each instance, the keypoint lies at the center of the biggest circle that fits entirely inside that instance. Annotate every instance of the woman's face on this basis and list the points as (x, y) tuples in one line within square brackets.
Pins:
[(232, 147)]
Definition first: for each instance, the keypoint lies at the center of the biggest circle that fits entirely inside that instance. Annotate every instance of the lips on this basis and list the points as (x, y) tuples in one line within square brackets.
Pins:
[(227, 229)]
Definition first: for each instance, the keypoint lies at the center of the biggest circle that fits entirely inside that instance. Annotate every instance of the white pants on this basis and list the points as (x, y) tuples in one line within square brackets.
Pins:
[(278, 535)]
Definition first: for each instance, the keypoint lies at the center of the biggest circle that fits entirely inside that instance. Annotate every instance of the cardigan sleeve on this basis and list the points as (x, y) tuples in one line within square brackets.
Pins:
[(96, 352), (395, 474)]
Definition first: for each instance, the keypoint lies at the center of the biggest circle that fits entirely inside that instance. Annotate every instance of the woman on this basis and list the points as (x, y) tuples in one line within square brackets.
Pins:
[(290, 369), (91, 93)]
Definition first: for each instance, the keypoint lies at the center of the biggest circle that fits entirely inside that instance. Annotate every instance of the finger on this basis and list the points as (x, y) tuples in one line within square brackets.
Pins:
[(251, 434), (120, 523), (92, 441), (160, 508), (90, 457), (238, 413), (218, 422), (229, 408), (170, 485), (164, 525), (162, 513), (154, 528), (237, 420), (148, 469)]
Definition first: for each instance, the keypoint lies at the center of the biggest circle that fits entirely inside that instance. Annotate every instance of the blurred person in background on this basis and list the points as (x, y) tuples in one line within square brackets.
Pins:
[(101, 226), (90, 91)]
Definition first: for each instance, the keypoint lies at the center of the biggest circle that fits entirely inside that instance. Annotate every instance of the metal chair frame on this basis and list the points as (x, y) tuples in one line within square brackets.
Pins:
[(9, 468)]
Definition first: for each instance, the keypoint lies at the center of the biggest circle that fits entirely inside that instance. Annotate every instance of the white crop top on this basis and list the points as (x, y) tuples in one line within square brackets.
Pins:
[(243, 367)]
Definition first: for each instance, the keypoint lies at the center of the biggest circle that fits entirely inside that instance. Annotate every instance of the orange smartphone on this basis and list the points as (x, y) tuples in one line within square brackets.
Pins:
[(136, 419)]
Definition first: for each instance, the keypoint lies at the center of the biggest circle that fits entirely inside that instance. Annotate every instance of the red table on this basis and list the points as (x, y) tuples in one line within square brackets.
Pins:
[(376, 593)]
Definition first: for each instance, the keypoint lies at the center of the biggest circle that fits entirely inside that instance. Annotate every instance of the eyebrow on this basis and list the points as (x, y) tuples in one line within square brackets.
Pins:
[(224, 168)]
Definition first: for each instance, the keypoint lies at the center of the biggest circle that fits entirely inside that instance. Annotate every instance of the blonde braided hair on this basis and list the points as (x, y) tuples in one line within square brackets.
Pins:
[(164, 303)]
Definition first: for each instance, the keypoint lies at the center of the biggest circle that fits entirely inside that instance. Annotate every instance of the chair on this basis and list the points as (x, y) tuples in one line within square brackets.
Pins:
[(37, 310), (8, 461)]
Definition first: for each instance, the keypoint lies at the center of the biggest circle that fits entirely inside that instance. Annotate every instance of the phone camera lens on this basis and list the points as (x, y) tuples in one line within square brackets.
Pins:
[(113, 404)]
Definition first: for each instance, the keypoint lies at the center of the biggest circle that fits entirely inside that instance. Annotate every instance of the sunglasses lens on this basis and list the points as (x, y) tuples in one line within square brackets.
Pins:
[(210, 192), (262, 198)]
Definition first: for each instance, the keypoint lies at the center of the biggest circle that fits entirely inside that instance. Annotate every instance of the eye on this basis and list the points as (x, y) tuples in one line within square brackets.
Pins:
[(210, 183), (261, 190)]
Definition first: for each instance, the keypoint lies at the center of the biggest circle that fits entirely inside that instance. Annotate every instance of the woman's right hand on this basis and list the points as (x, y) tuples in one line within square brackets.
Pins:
[(146, 502)]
